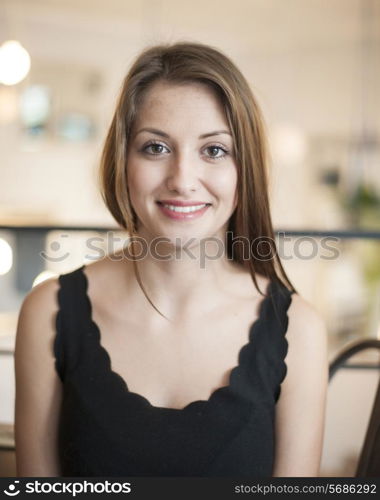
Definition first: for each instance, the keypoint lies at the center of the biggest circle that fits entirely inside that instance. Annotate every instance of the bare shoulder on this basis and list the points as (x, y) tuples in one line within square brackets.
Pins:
[(306, 327), (40, 300), (300, 410), (307, 338), (38, 388), (36, 320)]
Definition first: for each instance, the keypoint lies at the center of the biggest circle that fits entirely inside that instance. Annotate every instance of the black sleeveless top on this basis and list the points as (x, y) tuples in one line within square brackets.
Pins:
[(107, 430)]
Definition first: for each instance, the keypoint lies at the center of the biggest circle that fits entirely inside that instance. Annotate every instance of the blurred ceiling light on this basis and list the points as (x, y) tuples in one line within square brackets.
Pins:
[(6, 256), (44, 275), (14, 62)]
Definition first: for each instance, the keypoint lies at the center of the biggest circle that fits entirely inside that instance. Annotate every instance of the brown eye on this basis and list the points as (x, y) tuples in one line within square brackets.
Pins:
[(156, 148), (214, 150)]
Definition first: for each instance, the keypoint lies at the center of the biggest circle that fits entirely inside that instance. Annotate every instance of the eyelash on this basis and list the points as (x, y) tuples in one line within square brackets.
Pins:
[(218, 146)]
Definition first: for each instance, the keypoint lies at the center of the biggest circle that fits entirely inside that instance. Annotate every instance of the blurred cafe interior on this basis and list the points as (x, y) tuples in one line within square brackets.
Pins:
[(315, 69)]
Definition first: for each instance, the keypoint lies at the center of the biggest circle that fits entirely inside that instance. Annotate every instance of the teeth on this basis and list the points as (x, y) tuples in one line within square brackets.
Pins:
[(193, 208)]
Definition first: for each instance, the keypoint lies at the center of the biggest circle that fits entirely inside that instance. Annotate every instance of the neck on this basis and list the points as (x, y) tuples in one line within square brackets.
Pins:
[(179, 279)]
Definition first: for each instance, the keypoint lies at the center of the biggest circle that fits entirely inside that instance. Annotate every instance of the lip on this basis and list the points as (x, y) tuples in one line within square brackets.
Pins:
[(179, 203), (182, 216)]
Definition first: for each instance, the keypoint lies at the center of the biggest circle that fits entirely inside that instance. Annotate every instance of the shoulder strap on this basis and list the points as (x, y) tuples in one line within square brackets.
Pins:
[(274, 343), (70, 321)]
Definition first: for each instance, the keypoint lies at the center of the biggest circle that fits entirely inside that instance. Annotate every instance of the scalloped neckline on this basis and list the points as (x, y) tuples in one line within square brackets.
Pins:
[(252, 332)]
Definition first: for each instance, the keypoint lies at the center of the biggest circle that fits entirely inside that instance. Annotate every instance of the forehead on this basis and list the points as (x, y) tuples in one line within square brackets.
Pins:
[(180, 101)]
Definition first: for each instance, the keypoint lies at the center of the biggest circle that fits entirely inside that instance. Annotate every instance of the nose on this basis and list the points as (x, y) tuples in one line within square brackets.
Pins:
[(183, 175)]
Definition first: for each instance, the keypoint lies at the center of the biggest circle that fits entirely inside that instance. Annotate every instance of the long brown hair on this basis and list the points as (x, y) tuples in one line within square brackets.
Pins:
[(185, 62)]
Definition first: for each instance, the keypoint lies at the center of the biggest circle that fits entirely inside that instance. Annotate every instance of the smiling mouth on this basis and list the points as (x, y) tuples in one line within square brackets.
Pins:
[(183, 213), (184, 209)]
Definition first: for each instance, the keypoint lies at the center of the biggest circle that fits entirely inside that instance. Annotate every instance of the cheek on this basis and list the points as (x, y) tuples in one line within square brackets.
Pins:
[(225, 184), (141, 181)]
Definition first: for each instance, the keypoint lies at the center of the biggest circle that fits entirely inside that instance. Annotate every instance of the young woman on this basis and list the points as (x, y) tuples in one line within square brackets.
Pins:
[(189, 352)]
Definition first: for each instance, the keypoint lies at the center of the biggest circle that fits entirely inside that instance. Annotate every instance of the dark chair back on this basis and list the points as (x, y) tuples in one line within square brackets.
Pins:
[(369, 459)]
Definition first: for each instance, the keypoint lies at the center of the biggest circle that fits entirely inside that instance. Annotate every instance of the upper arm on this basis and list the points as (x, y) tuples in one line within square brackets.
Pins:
[(38, 387), (300, 410)]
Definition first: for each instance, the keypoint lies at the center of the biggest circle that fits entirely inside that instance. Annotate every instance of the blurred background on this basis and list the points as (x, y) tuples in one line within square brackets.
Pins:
[(314, 67)]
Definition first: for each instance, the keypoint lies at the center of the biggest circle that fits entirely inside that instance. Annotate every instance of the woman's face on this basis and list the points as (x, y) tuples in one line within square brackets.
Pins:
[(181, 149)]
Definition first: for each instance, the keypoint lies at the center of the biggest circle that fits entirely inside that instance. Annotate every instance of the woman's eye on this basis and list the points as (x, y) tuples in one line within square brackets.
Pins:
[(156, 148), (214, 152)]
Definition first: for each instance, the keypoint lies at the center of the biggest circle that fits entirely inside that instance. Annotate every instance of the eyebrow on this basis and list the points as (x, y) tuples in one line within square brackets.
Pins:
[(167, 136)]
